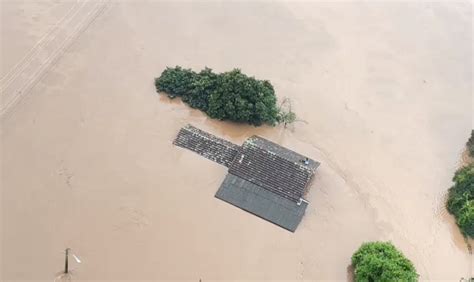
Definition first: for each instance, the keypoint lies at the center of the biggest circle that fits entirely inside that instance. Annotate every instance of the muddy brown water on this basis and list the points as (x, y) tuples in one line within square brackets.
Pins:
[(87, 159)]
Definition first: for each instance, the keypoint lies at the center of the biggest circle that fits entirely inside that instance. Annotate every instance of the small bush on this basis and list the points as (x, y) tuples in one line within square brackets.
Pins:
[(461, 199), (226, 96), (470, 144), (381, 261)]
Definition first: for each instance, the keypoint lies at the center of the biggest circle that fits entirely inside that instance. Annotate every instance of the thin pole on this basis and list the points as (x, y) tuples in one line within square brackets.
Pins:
[(66, 262)]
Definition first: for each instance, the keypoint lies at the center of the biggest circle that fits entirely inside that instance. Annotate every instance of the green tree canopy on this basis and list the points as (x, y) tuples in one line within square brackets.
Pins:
[(461, 199), (226, 96), (470, 144), (382, 262)]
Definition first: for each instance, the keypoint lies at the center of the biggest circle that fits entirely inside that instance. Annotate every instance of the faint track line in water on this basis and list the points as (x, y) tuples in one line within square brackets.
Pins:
[(25, 84), (11, 75)]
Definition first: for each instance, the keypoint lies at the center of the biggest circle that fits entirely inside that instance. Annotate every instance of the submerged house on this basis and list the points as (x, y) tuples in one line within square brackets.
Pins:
[(264, 178)]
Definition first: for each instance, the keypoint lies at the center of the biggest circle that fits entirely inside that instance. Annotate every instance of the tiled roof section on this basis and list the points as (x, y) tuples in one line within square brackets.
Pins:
[(261, 202), (273, 167), (283, 152), (206, 145)]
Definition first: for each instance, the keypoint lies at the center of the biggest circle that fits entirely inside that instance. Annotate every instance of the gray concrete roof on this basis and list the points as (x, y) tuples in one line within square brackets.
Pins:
[(261, 202)]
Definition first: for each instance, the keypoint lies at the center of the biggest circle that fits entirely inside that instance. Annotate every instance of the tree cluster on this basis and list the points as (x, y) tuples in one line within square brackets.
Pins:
[(230, 95), (461, 199), (382, 262)]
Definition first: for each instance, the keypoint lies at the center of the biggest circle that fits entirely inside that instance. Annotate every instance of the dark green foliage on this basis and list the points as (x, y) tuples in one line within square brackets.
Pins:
[(175, 81), (470, 144), (243, 99), (382, 262), (461, 196), (226, 96), (461, 199), (204, 84)]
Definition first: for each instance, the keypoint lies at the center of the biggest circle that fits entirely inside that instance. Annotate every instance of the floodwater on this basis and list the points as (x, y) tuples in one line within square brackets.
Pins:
[(87, 160)]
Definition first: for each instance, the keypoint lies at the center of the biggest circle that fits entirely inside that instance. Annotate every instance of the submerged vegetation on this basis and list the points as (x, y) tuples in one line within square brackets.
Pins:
[(381, 261), (230, 95), (461, 199), (470, 144)]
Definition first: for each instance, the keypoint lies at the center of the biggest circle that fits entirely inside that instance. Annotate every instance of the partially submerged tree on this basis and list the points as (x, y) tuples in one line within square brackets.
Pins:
[(381, 261), (226, 96), (461, 199), (175, 81), (243, 99), (287, 118), (204, 83), (286, 114), (470, 144)]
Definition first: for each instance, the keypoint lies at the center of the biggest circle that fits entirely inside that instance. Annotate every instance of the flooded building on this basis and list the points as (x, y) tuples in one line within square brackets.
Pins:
[(264, 178)]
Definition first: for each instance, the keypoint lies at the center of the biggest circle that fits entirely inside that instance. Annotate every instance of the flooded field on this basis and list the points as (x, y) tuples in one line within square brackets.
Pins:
[(385, 90)]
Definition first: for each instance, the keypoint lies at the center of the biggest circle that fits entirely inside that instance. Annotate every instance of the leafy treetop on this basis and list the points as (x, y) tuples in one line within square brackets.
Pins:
[(382, 262), (226, 96), (461, 199), (470, 144)]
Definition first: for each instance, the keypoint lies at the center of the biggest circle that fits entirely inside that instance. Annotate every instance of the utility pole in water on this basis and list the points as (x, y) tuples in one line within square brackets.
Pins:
[(66, 262), (66, 259)]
